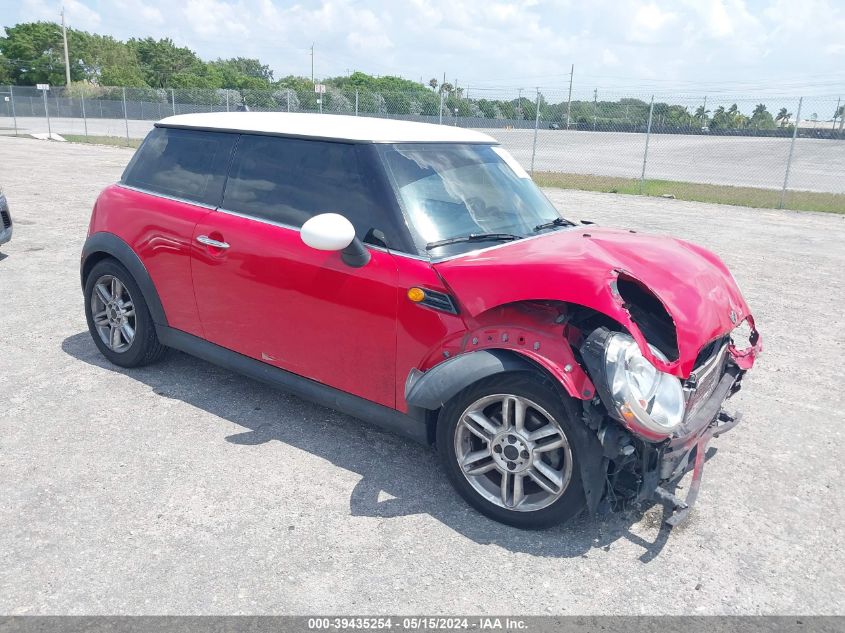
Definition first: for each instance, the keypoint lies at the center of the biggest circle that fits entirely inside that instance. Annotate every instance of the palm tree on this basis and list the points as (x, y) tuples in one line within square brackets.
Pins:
[(701, 113), (433, 83), (760, 115), (783, 116), (733, 116)]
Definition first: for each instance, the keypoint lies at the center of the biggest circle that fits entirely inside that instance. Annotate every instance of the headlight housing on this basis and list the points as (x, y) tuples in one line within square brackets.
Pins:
[(642, 395)]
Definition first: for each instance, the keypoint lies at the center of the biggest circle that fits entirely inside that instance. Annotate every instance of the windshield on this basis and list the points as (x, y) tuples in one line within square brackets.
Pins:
[(477, 192)]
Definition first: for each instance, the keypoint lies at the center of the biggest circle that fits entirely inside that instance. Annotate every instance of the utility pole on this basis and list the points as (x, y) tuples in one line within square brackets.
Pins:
[(569, 100), (519, 102), (835, 112), (704, 113), (595, 107), (789, 157), (536, 127), (64, 39), (312, 63)]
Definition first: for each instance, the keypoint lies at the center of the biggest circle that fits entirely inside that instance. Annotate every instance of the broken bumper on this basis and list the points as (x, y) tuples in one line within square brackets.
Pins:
[(687, 453)]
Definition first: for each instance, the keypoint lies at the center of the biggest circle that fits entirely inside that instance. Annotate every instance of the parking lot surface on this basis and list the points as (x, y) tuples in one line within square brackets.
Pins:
[(184, 488)]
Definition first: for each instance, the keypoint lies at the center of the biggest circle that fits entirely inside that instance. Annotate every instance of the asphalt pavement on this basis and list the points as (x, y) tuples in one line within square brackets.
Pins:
[(182, 488)]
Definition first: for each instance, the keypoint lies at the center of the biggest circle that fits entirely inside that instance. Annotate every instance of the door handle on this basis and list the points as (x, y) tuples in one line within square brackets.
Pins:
[(204, 239)]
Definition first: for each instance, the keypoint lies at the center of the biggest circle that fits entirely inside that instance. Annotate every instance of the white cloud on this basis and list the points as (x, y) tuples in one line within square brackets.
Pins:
[(650, 17), (608, 58), (212, 18), (77, 14), (495, 43)]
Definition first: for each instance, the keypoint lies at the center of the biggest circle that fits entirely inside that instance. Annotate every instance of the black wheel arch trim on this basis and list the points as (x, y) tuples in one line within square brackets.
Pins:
[(435, 387), (103, 243)]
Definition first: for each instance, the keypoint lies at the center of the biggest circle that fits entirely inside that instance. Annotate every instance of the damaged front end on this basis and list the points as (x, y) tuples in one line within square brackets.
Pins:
[(654, 428), (661, 330)]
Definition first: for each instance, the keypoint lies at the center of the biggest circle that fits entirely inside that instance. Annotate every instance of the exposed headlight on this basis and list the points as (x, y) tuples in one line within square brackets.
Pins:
[(643, 395)]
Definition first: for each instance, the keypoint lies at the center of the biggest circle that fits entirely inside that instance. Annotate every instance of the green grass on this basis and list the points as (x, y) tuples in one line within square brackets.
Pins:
[(721, 194), (118, 141)]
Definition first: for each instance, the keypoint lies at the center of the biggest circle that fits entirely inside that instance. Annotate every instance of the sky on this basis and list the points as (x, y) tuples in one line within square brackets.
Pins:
[(695, 47)]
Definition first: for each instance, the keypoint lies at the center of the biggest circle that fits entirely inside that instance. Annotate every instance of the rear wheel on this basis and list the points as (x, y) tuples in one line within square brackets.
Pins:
[(118, 317), (505, 445)]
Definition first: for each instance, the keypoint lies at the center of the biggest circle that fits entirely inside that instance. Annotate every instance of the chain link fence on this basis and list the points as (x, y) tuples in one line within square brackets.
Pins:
[(767, 151)]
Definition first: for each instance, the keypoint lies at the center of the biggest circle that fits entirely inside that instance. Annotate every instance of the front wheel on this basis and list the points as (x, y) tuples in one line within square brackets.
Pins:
[(505, 445)]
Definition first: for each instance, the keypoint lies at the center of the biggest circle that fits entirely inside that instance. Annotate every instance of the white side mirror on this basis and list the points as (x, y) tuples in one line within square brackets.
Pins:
[(328, 232)]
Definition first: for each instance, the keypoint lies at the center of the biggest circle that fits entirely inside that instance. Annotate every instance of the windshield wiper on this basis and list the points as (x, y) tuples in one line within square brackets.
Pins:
[(553, 223), (473, 237)]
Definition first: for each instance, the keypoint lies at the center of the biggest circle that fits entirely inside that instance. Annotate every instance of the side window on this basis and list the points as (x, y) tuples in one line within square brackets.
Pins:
[(188, 164), (289, 180)]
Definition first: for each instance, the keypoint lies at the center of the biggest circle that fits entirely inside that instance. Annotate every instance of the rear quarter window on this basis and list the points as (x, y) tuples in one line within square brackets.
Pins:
[(187, 164)]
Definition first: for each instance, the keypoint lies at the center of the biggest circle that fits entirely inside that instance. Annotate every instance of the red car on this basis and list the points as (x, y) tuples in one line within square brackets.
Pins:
[(414, 276)]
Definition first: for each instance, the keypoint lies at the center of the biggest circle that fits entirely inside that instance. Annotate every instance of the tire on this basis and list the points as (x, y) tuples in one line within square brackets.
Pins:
[(129, 309), (522, 452)]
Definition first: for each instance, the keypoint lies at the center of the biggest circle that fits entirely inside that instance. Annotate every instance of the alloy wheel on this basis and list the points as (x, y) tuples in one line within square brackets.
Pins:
[(513, 452), (113, 312)]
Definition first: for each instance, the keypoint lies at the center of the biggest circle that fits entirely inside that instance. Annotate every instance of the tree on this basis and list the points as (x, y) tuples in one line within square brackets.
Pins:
[(242, 72), (720, 118), (433, 83), (761, 118), (103, 60), (5, 70), (701, 113), (166, 65), (35, 53), (783, 117)]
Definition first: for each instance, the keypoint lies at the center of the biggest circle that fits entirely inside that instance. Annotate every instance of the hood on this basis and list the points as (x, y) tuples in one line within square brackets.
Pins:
[(583, 265)]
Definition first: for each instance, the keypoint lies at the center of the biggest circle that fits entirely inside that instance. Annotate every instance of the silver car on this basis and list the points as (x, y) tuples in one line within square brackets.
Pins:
[(5, 220)]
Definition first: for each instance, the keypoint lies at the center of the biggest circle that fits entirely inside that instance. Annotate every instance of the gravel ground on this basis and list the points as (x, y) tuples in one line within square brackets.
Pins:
[(183, 488), (817, 164)]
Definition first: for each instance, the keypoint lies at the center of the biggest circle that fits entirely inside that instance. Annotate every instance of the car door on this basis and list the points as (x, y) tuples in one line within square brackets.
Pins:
[(262, 292), (174, 179)]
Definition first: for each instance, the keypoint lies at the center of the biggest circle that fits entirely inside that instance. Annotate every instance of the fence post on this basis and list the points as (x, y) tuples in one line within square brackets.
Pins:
[(173, 100), (84, 119), (647, 137), (14, 116), (536, 127), (47, 114), (356, 101), (227, 101), (441, 107), (789, 158), (125, 116)]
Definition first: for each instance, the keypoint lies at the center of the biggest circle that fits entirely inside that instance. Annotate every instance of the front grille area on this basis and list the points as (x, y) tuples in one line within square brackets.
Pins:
[(5, 218), (707, 352), (706, 379)]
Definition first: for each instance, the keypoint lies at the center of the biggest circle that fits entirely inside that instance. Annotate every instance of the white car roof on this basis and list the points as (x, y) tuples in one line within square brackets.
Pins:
[(327, 126)]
